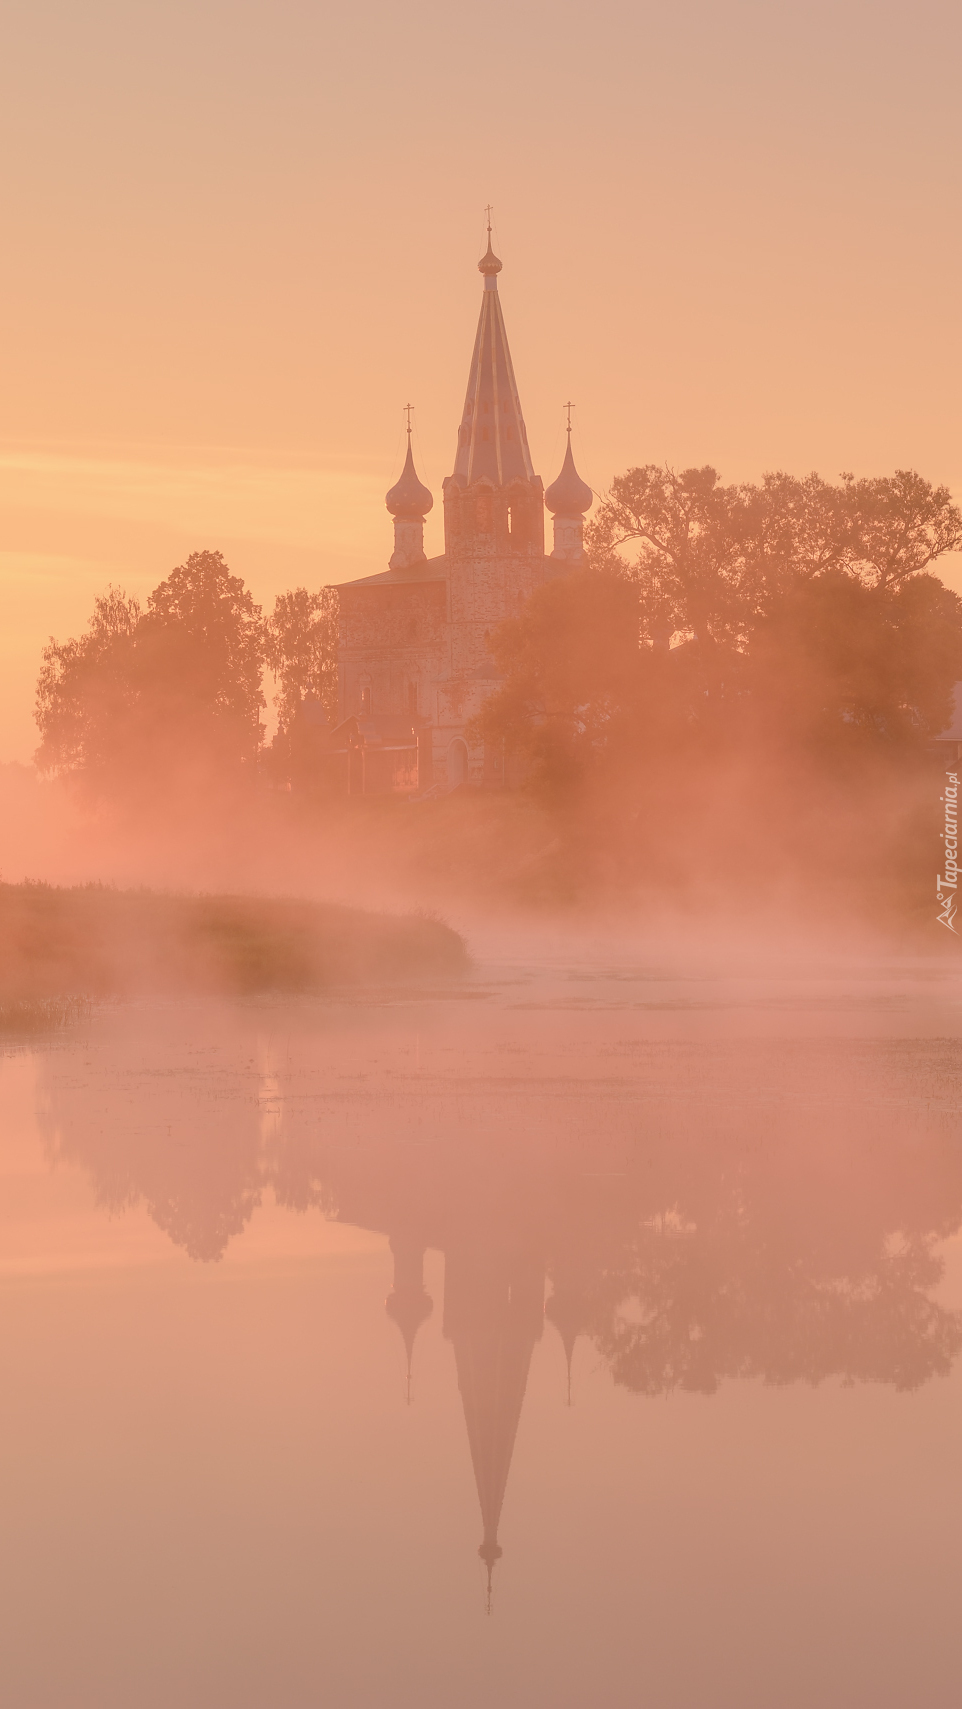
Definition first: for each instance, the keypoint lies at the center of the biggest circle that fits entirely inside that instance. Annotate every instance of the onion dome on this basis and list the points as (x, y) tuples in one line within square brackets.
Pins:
[(569, 495), (409, 497), (489, 262)]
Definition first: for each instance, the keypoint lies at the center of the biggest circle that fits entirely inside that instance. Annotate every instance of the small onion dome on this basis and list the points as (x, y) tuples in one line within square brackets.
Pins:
[(489, 262), (569, 495), (409, 496)]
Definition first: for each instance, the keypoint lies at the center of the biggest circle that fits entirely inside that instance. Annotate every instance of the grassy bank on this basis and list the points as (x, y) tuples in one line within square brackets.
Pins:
[(98, 942)]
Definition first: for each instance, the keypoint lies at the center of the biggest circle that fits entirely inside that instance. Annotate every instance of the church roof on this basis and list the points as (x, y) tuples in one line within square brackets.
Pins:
[(428, 570), (492, 440), (409, 496), (569, 495)]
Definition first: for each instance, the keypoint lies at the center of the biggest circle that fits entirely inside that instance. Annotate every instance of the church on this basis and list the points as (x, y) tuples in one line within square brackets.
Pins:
[(414, 665)]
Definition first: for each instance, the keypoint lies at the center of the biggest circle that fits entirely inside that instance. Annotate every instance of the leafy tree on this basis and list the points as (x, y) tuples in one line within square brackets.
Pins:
[(85, 691), (200, 659), (301, 637), (147, 697), (577, 686), (897, 525), (837, 662), (301, 650), (832, 665), (689, 566), (709, 559)]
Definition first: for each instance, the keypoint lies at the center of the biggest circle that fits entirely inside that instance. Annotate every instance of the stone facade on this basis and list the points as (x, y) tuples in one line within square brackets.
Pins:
[(414, 640)]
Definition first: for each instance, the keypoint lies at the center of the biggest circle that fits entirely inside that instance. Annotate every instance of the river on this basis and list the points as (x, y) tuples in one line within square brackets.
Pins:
[(584, 1333)]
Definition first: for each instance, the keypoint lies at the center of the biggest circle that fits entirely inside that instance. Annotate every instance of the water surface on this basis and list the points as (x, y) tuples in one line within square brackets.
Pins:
[(584, 1334)]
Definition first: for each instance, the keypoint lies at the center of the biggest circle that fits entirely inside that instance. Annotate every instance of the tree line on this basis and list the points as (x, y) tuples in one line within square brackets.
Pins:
[(787, 623), (792, 613), (174, 691)]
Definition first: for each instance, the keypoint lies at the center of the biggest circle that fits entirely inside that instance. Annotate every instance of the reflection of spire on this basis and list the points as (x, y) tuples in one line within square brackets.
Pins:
[(565, 1309), (407, 1303), (493, 1315)]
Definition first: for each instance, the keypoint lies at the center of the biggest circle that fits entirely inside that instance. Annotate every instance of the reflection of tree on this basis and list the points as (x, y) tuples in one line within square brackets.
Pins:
[(190, 1155), (751, 1238), (767, 1249), (683, 1308), (791, 1261)]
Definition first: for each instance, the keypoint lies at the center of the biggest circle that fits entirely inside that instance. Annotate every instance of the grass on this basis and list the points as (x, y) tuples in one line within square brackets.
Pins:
[(56, 943)]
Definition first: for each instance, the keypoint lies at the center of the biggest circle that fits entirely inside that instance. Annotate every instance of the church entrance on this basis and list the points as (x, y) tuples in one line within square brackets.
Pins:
[(457, 764)]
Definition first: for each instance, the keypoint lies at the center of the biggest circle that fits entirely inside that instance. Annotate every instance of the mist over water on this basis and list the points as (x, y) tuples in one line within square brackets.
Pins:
[(632, 1287)]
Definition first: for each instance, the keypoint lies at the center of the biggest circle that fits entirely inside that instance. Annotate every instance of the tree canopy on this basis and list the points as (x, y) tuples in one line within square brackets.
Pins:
[(792, 611), (301, 650), (145, 696), (708, 559), (173, 692)]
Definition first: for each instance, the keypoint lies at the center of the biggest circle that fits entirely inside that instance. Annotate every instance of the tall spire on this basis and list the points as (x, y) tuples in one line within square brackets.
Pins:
[(492, 440)]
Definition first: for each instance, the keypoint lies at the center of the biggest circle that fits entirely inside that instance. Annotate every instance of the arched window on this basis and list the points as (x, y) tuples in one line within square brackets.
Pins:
[(366, 699), (457, 764)]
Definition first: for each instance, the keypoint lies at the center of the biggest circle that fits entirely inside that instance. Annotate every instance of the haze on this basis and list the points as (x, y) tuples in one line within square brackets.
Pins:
[(240, 237)]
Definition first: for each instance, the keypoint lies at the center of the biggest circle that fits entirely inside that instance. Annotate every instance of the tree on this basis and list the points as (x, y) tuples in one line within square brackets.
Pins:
[(577, 685), (897, 526), (710, 559), (147, 698), (200, 659), (802, 625), (689, 566), (836, 662), (85, 691), (301, 650)]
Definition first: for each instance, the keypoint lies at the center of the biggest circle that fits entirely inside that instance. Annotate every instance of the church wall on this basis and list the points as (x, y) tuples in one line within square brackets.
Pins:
[(390, 639)]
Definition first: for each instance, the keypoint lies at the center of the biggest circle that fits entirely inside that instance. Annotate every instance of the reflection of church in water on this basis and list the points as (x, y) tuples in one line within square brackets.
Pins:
[(493, 1315), (495, 1279), (760, 1239), (414, 663)]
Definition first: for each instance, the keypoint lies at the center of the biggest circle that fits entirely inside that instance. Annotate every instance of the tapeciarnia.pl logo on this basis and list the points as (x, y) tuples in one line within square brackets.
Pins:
[(947, 883)]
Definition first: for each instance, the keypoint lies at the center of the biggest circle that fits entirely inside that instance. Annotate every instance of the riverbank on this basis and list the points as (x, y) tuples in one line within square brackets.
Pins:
[(95, 941)]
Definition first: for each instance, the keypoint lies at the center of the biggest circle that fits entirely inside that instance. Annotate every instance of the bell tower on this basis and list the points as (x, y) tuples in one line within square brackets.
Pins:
[(493, 501)]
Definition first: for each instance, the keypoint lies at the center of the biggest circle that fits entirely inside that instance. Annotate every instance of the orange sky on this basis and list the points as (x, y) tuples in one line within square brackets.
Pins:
[(240, 235)]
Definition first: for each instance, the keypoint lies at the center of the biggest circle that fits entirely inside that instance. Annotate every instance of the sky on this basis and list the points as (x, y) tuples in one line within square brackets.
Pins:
[(239, 236)]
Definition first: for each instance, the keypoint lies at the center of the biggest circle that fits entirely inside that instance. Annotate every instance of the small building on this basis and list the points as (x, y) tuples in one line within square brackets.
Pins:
[(414, 662)]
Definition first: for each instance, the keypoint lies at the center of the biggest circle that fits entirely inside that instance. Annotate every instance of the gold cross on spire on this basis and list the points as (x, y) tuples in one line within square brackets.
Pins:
[(407, 410), (569, 408), (489, 210)]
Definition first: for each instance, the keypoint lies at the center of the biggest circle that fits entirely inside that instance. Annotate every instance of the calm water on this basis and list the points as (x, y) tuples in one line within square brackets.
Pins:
[(582, 1336)]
